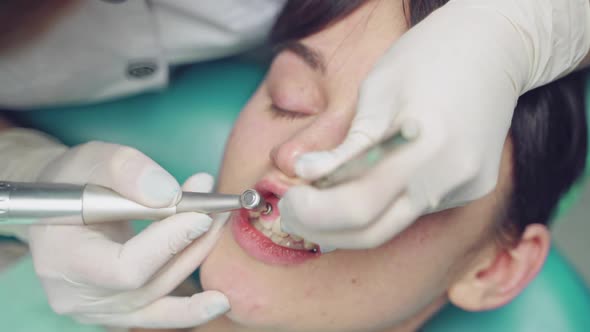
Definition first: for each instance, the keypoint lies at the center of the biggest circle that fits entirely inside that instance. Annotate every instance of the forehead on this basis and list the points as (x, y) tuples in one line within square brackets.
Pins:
[(357, 40)]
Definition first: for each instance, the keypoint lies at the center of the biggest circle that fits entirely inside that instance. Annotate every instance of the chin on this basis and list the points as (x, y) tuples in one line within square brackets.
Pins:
[(226, 270), (257, 291)]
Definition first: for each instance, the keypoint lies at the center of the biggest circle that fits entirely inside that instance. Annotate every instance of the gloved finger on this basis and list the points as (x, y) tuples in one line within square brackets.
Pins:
[(402, 214), (355, 204), (171, 275), (199, 183), (137, 177), (373, 121), (313, 165), (190, 259), (167, 312), (157, 244), (131, 265)]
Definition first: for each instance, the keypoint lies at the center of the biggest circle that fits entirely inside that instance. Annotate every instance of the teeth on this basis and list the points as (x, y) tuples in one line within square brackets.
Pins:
[(267, 224), (275, 238), (276, 228), (296, 237), (272, 230)]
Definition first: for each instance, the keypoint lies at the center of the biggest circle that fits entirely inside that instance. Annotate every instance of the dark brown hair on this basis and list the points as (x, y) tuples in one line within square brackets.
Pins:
[(24, 20), (548, 131)]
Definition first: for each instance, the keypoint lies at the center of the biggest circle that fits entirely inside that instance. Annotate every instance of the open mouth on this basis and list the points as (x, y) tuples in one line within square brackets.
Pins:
[(270, 226), (260, 235)]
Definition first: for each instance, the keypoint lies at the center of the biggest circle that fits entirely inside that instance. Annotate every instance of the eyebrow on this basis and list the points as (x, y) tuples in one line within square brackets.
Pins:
[(312, 57)]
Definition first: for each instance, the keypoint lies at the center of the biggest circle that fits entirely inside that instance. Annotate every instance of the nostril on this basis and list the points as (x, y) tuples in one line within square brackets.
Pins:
[(285, 155)]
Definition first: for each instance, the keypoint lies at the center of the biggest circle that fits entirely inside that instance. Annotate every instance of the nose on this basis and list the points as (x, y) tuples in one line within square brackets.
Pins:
[(325, 132), (285, 155)]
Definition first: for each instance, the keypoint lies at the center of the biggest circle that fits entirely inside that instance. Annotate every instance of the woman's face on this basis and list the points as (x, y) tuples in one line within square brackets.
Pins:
[(307, 103)]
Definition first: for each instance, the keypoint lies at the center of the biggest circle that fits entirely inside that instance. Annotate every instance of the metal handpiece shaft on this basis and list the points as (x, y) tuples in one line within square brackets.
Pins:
[(25, 203), (67, 204), (362, 163)]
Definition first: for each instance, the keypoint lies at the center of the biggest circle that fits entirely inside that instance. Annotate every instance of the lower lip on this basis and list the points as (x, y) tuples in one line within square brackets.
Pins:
[(262, 248)]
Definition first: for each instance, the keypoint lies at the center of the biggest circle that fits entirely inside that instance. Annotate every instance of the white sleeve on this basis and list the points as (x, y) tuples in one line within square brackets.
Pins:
[(96, 50), (25, 152), (202, 30), (101, 50)]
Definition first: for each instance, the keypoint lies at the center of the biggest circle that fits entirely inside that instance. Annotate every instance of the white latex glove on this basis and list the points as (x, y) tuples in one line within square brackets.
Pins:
[(105, 275), (456, 76)]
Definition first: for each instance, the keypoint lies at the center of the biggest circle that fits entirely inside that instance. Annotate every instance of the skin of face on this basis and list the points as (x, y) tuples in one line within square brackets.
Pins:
[(394, 287)]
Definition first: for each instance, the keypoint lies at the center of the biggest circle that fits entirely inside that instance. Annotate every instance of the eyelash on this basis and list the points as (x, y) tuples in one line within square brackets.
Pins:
[(279, 113)]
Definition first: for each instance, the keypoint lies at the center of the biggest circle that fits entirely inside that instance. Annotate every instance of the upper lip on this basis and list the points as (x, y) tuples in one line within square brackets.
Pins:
[(267, 187)]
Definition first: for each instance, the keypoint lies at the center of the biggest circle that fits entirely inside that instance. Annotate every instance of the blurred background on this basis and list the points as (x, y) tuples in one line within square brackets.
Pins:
[(572, 233)]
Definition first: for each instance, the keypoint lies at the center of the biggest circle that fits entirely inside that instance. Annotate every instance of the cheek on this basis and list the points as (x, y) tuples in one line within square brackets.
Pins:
[(223, 271), (368, 289), (247, 150)]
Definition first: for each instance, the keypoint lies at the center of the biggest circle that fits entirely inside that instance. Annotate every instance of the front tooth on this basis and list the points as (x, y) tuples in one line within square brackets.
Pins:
[(275, 238), (284, 242), (308, 245), (296, 238), (267, 224), (276, 228), (257, 225), (267, 232)]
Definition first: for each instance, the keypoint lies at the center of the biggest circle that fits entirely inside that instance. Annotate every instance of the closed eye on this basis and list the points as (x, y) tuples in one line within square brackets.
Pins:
[(280, 113)]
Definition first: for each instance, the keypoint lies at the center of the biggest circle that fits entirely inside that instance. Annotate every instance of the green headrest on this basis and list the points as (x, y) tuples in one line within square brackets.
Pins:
[(184, 129)]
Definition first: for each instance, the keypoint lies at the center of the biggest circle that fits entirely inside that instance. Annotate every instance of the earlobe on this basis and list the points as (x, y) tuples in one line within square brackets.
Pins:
[(500, 275)]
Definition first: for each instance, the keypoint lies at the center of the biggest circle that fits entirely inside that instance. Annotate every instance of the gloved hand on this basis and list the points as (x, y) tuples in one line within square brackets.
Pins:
[(105, 275), (455, 79)]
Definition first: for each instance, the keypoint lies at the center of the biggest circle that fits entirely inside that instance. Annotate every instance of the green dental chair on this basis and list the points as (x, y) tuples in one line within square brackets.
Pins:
[(184, 129)]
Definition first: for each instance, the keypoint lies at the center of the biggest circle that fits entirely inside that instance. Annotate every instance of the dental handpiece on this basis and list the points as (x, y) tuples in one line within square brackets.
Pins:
[(69, 204), (362, 163)]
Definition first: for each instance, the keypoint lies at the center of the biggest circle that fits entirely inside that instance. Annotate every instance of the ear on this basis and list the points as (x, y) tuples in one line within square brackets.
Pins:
[(500, 275)]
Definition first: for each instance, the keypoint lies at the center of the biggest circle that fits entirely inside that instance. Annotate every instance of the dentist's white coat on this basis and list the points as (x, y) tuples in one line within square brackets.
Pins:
[(105, 49)]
